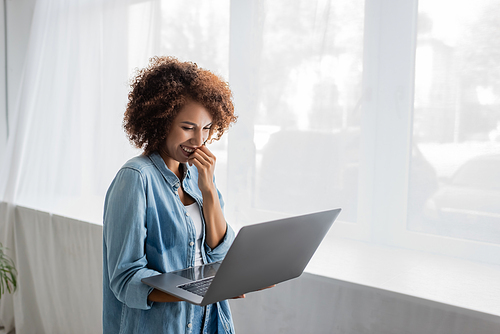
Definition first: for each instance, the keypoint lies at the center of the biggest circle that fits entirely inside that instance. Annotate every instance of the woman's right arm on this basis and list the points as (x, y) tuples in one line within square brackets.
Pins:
[(124, 233)]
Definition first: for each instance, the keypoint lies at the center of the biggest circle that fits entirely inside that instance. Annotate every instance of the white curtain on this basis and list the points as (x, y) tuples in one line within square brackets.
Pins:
[(66, 140), (64, 146), (324, 94)]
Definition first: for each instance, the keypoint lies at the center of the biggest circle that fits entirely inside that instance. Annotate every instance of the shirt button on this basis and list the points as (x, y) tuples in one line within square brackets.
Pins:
[(187, 214), (190, 325), (191, 243)]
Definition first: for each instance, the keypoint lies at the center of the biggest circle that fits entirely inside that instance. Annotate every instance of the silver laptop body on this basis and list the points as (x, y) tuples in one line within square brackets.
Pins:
[(261, 255)]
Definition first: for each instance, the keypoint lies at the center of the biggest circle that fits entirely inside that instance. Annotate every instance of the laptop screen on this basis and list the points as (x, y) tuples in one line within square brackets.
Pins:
[(199, 272)]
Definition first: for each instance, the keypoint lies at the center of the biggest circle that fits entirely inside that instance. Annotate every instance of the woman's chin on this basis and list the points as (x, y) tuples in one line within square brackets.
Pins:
[(183, 158)]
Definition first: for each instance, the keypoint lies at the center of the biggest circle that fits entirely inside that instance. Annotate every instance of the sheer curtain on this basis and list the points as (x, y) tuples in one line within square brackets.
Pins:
[(66, 141), (324, 91), (64, 146)]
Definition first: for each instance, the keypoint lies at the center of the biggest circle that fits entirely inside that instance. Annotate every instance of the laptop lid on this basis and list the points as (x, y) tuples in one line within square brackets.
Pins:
[(269, 253), (261, 255)]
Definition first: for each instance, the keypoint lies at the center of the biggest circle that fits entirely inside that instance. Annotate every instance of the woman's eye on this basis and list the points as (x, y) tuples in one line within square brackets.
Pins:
[(187, 128)]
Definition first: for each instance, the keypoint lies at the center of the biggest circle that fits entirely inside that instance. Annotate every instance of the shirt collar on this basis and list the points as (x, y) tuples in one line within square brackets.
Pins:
[(169, 176)]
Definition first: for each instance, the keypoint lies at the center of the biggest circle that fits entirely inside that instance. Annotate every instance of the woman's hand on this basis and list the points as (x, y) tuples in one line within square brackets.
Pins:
[(215, 223), (239, 297), (268, 287), (204, 160), (243, 295), (162, 297)]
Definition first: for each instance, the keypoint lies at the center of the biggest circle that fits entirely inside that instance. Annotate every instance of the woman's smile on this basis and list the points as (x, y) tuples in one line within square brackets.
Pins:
[(187, 150)]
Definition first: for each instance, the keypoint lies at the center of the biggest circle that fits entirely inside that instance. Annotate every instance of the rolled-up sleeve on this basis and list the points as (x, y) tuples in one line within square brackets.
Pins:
[(218, 253), (124, 237)]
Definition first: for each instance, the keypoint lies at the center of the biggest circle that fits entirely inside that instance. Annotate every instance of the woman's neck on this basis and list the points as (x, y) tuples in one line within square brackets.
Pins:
[(172, 164)]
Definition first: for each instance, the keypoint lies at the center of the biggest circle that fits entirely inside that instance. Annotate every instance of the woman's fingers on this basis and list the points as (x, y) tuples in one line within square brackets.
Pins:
[(203, 156), (205, 150), (239, 297), (204, 161), (268, 287), (243, 295)]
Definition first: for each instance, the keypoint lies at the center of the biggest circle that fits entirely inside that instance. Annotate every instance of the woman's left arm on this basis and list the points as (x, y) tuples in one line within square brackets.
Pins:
[(216, 225)]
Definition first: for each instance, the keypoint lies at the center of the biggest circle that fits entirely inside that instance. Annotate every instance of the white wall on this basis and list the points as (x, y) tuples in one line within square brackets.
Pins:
[(15, 25), (19, 16), (3, 91)]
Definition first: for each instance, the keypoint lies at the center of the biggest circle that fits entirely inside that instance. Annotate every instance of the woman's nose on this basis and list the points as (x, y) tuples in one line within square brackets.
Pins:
[(198, 138)]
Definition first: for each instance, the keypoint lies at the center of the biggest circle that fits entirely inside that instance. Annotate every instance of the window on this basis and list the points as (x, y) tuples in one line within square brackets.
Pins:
[(454, 186), (296, 146)]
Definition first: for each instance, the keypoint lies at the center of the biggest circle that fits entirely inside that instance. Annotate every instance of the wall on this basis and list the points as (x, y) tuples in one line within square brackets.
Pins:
[(18, 24), (3, 82), (315, 304), (15, 26)]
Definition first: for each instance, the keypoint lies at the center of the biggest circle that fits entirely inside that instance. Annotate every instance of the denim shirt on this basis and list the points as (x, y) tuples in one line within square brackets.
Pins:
[(147, 231)]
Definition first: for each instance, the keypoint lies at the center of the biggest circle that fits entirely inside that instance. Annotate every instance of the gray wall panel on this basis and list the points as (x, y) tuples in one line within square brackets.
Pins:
[(315, 304)]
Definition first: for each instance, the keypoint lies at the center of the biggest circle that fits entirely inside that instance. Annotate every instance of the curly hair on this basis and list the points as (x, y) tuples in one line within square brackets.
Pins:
[(159, 92)]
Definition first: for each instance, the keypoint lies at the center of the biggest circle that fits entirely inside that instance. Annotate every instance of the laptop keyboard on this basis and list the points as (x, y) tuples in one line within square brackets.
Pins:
[(198, 287)]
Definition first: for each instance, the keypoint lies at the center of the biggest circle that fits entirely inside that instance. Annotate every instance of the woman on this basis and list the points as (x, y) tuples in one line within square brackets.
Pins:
[(163, 211)]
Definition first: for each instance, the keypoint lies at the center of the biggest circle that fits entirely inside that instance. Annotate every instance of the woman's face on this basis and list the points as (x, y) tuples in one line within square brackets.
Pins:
[(189, 130)]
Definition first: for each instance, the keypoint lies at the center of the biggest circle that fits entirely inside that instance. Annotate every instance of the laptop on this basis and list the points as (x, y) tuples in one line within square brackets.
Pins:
[(261, 255)]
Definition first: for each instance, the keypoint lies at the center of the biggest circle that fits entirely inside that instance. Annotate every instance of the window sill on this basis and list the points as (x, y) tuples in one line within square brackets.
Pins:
[(461, 283)]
